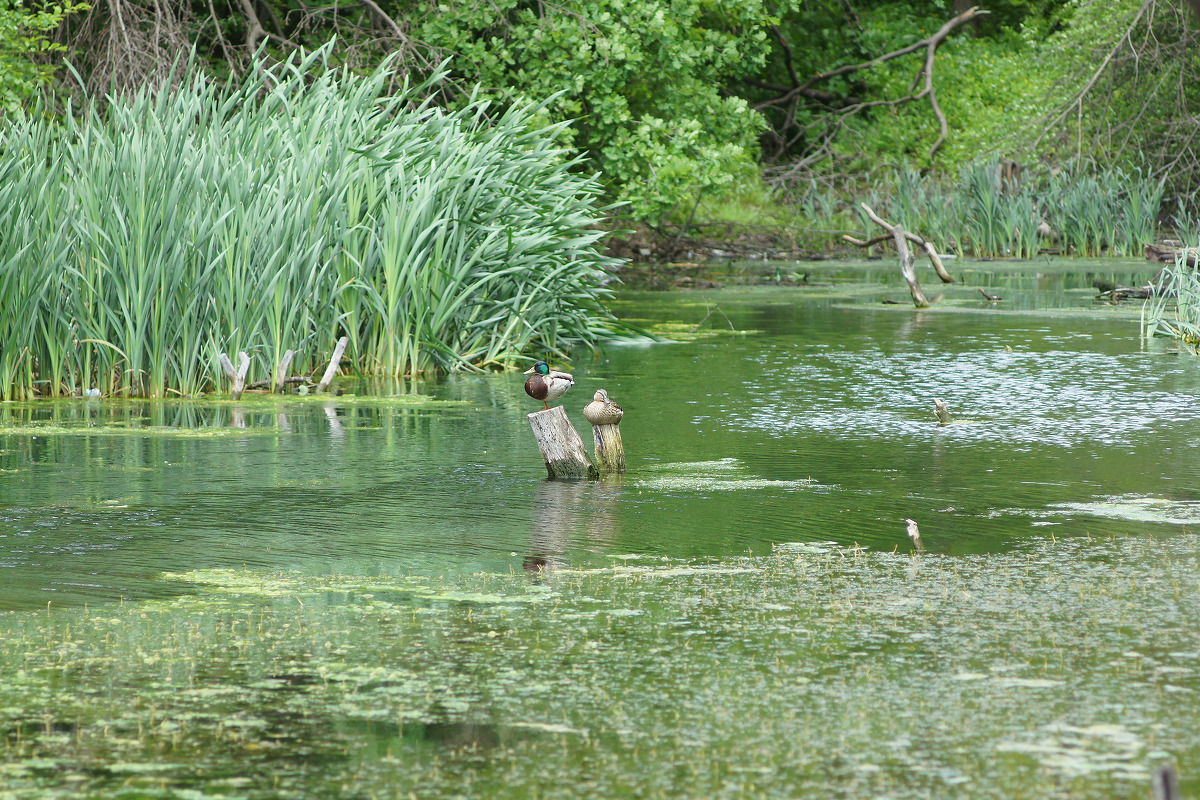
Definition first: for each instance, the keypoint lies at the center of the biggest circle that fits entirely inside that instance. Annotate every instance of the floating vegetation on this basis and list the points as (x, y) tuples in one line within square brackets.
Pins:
[(722, 475), (1140, 509), (689, 332), (1066, 668)]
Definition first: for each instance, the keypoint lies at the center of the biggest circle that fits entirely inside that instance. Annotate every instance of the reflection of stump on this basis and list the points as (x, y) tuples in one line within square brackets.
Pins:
[(605, 416), (561, 447)]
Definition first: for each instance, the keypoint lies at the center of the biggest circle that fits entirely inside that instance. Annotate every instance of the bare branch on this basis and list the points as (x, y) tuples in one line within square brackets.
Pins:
[(833, 112)]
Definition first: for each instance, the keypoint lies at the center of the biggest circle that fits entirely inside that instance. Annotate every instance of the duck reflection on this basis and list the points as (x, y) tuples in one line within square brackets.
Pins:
[(566, 511)]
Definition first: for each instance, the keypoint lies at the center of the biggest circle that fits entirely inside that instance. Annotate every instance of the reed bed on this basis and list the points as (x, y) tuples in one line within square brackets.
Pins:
[(1082, 209), (147, 235)]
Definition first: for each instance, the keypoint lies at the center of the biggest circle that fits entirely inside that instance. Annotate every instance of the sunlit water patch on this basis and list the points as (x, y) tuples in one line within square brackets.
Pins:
[(1014, 399)]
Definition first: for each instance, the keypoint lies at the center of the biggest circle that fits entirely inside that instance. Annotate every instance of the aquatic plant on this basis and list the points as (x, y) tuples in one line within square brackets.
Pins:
[(1174, 309), (1094, 210), (1060, 668), (149, 234)]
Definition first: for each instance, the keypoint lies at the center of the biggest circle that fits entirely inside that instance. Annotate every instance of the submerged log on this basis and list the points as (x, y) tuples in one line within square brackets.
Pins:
[(238, 376), (1118, 293), (561, 447), (334, 361), (290, 380), (605, 416)]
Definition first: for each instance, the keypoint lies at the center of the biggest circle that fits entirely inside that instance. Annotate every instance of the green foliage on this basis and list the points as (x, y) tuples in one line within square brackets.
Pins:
[(641, 83), (989, 212), (1174, 310), (298, 206), (23, 40)]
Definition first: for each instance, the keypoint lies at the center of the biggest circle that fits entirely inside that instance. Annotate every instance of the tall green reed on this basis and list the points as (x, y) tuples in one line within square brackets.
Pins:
[(300, 205), (1092, 210), (1174, 309)]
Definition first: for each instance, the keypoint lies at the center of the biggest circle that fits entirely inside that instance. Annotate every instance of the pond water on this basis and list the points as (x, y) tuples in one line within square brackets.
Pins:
[(778, 415), (749, 577)]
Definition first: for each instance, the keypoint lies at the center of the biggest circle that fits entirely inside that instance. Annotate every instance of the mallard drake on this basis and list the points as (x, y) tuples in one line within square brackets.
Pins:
[(545, 384), (602, 411)]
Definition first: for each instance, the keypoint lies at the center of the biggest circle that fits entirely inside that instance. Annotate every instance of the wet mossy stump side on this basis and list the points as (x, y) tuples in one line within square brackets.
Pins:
[(561, 447), (610, 450), (605, 417)]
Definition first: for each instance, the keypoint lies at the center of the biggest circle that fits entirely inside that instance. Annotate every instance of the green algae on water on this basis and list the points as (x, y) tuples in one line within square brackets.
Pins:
[(1061, 668)]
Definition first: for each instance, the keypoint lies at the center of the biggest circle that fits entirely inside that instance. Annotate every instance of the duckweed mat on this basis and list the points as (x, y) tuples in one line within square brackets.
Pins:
[(1064, 668)]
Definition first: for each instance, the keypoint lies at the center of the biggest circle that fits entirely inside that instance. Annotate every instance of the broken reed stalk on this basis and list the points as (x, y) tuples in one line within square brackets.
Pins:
[(561, 447), (238, 376)]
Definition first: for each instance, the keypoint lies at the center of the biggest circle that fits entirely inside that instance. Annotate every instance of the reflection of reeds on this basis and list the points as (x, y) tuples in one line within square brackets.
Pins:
[(299, 206)]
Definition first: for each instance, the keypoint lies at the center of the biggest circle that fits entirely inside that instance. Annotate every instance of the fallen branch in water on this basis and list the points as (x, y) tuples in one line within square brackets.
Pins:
[(906, 257), (924, 244)]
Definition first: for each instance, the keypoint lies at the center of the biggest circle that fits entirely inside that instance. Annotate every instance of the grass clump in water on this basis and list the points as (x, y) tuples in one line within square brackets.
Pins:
[(1064, 668), (152, 233), (1174, 310)]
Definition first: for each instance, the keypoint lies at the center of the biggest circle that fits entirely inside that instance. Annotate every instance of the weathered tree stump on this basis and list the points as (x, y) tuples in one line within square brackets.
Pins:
[(943, 413), (561, 447), (605, 416), (332, 369), (281, 371), (238, 376), (914, 533)]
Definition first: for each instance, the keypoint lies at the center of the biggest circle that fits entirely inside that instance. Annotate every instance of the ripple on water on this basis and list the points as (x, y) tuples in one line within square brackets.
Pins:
[(1021, 399)]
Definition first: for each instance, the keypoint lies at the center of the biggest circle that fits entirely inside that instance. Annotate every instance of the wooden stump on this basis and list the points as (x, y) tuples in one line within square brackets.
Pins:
[(238, 376), (605, 416), (561, 447), (281, 371), (334, 361), (610, 452), (943, 413)]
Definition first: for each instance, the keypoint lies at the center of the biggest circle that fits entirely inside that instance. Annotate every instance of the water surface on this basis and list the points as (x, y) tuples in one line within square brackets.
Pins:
[(380, 594), (776, 414)]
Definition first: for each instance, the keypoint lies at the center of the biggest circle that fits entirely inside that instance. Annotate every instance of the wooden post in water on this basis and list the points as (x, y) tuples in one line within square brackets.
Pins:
[(238, 376), (943, 413), (561, 447), (1165, 783), (281, 372), (331, 370), (605, 416)]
